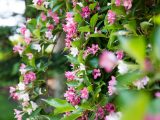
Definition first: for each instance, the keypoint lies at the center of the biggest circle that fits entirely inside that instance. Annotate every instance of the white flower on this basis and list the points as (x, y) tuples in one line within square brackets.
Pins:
[(21, 86), (34, 105), (35, 2), (36, 47), (29, 111), (24, 96), (141, 83), (81, 67), (74, 51), (114, 116), (122, 67), (46, 4), (80, 4), (27, 34), (49, 35)]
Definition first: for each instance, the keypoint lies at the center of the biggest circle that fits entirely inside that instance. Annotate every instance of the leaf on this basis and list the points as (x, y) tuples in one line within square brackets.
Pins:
[(78, 18), (60, 105), (156, 43), (93, 5), (84, 29), (73, 116), (57, 7), (135, 47), (93, 20), (97, 35)]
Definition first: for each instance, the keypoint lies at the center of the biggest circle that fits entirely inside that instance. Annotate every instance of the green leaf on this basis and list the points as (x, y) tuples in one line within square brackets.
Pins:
[(84, 29), (73, 116), (135, 47), (78, 18), (60, 105), (57, 7), (93, 5), (93, 20), (97, 35)]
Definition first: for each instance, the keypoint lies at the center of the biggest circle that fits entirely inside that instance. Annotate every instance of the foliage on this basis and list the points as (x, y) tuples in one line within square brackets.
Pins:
[(113, 48)]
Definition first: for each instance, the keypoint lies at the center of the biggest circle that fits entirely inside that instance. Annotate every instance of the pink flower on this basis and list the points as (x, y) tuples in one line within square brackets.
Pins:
[(111, 17), (29, 55), (108, 61), (110, 107), (141, 83), (22, 68), (157, 94), (70, 75), (13, 93), (96, 73), (18, 114), (48, 34), (43, 16), (71, 96), (18, 48), (74, 2), (85, 12), (68, 43), (127, 4), (93, 50), (120, 54), (99, 113), (28, 40), (49, 26), (29, 77), (38, 2), (111, 86), (23, 29), (118, 2), (55, 18), (152, 117), (84, 93)]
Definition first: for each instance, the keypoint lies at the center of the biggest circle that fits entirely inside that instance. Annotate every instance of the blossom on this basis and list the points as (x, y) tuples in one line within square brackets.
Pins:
[(27, 33), (38, 2), (54, 16), (27, 40), (111, 17), (24, 96), (29, 55), (96, 73), (43, 16), (29, 77), (93, 50), (48, 35), (82, 66), (34, 105), (21, 86), (85, 12), (70, 75), (110, 107), (119, 54), (18, 114), (84, 93), (111, 86), (157, 94), (99, 113), (127, 4), (141, 83), (50, 26), (108, 61), (36, 47), (122, 67), (74, 2), (23, 29), (71, 96), (74, 51), (18, 48), (118, 2), (114, 116), (22, 68)]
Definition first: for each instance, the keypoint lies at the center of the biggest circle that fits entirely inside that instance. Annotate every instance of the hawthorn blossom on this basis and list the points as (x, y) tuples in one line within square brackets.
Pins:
[(85, 12), (70, 75), (84, 93), (29, 55), (118, 2), (18, 114), (108, 61), (111, 17), (119, 54), (22, 68), (110, 107), (29, 77), (74, 51), (141, 83), (21, 86), (96, 73), (48, 34), (18, 48), (71, 96), (127, 4), (43, 16), (114, 116), (122, 67), (112, 86), (93, 50)]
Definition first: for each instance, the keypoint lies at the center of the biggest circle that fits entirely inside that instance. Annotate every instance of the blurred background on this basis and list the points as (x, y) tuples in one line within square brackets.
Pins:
[(13, 13)]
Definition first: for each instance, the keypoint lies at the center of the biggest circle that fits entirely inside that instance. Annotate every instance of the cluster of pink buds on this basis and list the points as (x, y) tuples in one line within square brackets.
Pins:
[(85, 12), (126, 3)]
